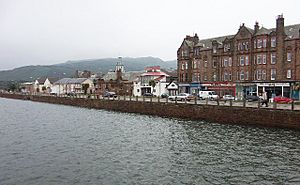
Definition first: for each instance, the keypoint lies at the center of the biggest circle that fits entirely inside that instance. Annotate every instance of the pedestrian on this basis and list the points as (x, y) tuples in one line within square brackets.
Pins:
[(265, 99)]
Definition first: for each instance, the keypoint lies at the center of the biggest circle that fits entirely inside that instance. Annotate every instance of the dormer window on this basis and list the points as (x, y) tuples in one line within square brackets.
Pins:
[(226, 47), (215, 49), (259, 43)]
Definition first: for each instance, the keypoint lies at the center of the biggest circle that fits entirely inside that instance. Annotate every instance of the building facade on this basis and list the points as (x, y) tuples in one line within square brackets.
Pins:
[(118, 81), (249, 62), (153, 80)]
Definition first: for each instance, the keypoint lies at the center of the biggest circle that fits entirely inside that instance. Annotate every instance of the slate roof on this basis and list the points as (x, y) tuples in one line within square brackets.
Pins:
[(207, 43), (130, 76), (70, 81), (292, 31), (263, 31)]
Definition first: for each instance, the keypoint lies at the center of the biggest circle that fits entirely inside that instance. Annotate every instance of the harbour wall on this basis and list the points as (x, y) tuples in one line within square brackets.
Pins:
[(211, 113)]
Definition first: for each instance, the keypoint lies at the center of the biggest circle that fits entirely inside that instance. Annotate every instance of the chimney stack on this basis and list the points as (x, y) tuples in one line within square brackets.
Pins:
[(256, 27), (280, 25)]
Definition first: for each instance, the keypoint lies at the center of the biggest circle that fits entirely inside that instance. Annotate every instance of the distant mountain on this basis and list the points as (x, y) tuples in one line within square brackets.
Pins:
[(67, 69)]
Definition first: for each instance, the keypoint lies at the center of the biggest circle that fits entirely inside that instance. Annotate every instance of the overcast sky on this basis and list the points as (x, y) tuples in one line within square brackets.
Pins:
[(53, 31)]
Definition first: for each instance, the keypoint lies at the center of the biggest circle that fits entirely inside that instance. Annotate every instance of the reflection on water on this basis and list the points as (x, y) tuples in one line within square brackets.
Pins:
[(54, 144)]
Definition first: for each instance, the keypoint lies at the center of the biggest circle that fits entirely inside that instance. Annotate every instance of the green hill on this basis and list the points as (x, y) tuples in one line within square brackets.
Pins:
[(67, 69)]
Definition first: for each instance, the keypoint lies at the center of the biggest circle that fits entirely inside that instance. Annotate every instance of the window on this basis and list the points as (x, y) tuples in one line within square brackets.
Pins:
[(215, 77), (273, 74), (258, 59), (289, 56), (258, 74), (264, 59), (195, 64), (229, 61), (237, 75), (205, 63), (186, 65), (246, 75), (254, 43), (246, 46), (182, 66), (264, 43), (242, 62), (273, 58), (205, 77), (254, 59), (242, 77), (225, 76), (259, 43), (214, 63), (240, 46), (230, 76), (246, 60), (225, 62), (264, 74), (273, 42), (289, 73)]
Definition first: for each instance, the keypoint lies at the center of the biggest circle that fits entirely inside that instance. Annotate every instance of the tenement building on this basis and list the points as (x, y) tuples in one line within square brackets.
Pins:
[(249, 62)]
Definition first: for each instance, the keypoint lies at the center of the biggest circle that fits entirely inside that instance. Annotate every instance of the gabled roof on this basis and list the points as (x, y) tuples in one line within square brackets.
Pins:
[(189, 43), (250, 30), (263, 31), (41, 80), (53, 79)]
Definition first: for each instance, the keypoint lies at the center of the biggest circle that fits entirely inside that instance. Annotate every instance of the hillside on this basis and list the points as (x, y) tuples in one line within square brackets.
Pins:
[(67, 69)]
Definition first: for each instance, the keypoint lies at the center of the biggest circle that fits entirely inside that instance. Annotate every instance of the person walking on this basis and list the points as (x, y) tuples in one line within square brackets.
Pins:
[(265, 99)]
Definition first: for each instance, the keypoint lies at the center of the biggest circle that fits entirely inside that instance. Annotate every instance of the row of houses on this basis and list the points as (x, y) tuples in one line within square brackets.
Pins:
[(248, 62), (134, 83)]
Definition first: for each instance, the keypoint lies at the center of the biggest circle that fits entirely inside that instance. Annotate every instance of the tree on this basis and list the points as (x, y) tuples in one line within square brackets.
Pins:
[(44, 88), (12, 87), (85, 87), (152, 83)]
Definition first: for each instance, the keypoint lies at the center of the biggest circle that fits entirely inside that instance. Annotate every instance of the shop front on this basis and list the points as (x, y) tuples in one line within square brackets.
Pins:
[(274, 89), (184, 88), (221, 88), (195, 88)]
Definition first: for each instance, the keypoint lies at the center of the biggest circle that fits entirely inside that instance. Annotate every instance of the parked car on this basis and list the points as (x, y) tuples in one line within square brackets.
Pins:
[(282, 99), (212, 95), (71, 93), (182, 97), (164, 95), (148, 94), (228, 97), (251, 98), (110, 94)]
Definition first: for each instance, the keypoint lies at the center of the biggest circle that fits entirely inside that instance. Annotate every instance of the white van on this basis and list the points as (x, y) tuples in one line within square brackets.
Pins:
[(212, 95)]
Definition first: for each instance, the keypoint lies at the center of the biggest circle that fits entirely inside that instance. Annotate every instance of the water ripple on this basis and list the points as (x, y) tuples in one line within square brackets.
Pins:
[(55, 144)]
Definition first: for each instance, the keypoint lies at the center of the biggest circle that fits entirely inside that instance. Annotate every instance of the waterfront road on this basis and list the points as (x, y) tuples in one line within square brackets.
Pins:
[(254, 104)]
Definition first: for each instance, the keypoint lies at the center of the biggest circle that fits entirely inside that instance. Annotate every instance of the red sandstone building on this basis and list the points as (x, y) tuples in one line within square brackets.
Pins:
[(249, 62)]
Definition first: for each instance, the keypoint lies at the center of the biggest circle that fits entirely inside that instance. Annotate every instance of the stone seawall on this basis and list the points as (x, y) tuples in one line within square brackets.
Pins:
[(211, 113)]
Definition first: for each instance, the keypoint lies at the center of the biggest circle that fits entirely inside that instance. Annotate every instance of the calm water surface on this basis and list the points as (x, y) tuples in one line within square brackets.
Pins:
[(54, 144)]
